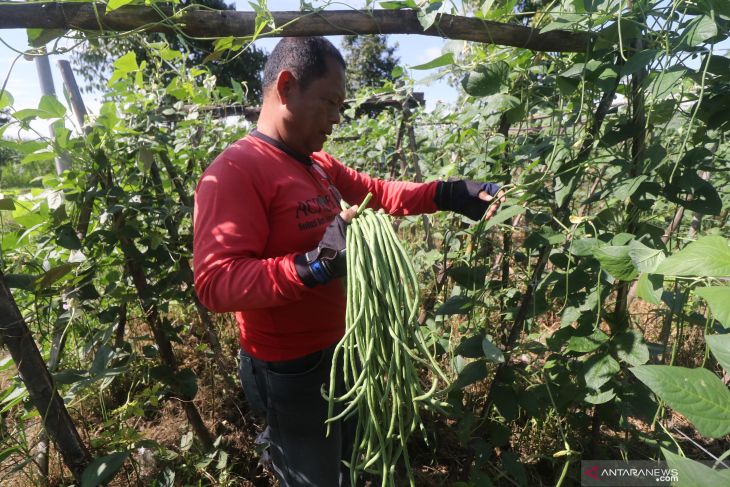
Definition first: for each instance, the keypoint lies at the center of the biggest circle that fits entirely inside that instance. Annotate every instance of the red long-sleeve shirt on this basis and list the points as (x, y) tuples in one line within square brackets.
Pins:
[(256, 207)]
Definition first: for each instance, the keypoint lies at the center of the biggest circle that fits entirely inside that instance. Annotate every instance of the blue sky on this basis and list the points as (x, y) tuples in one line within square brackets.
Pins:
[(24, 86)]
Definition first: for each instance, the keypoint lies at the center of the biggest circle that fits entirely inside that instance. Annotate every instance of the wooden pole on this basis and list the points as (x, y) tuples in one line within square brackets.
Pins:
[(16, 336), (72, 88), (43, 66), (224, 23)]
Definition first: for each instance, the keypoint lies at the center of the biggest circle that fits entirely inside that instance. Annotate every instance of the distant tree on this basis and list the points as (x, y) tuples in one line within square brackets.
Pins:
[(94, 63), (369, 61)]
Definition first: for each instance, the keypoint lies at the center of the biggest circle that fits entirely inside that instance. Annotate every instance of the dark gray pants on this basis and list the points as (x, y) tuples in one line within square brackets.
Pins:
[(288, 394)]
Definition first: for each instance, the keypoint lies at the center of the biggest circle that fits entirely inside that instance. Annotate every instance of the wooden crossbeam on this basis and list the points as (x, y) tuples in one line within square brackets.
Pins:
[(223, 23)]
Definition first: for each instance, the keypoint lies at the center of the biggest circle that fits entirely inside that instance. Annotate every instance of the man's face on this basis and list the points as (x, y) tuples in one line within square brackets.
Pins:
[(314, 110)]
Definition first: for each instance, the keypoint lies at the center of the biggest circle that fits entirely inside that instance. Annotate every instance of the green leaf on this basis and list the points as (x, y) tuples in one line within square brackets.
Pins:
[(502, 215), (567, 86), (51, 107), (473, 372), (631, 347), (41, 37), (7, 204), (644, 258), (115, 4), (660, 85), (443, 60), (66, 237), (616, 261), (599, 369), (699, 29), (103, 469), (584, 344), (127, 63), (638, 61), (718, 298), (694, 193), (487, 79), (585, 246), (600, 397), (491, 351), (720, 347), (692, 473), (698, 394), (50, 277), (627, 187), (6, 99), (470, 347), (468, 277), (706, 257), (650, 288), (456, 305)]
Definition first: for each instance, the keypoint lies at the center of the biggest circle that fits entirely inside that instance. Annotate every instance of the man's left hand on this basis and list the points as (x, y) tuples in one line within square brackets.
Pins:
[(472, 199)]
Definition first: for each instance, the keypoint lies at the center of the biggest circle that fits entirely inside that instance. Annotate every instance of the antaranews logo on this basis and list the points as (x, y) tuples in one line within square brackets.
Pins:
[(634, 473)]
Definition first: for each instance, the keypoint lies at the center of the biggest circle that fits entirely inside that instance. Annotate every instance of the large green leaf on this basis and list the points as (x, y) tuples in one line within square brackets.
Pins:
[(473, 372), (700, 29), (583, 344), (694, 193), (585, 246), (491, 352), (645, 259), (692, 473), (698, 394), (718, 297), (487, 79), (649, 288), (720, 347), (616, 261), (103, 469), (456, 305), (707, 257), (467, 276), (631, 347), (599, 369)]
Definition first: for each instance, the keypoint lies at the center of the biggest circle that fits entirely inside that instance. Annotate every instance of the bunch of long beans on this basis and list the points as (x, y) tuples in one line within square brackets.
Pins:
[(381, 347)]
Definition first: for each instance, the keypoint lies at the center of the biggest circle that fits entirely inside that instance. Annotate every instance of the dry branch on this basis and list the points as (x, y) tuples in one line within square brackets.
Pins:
[(223, 23)]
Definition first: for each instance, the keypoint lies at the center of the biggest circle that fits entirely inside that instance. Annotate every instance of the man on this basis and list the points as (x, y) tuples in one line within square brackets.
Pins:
[(269, 243)]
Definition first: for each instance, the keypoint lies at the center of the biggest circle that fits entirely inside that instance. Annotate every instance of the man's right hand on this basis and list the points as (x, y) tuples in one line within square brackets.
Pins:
[(327, 261)]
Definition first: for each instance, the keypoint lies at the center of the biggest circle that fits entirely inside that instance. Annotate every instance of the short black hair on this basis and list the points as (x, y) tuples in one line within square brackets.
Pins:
[(305, 57)]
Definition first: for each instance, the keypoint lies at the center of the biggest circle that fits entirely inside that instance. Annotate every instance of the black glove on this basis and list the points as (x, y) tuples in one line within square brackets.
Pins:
[(327, 261), (463, 197)]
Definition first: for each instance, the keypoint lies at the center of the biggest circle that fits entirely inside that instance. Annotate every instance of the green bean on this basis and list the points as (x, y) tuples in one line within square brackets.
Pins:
[(380, 349)]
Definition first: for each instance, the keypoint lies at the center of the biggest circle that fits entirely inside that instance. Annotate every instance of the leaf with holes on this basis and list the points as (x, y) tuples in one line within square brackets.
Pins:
[(698, 394)]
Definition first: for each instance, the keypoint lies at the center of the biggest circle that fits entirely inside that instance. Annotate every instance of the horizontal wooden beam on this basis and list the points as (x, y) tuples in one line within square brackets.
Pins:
[(223, 23)]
